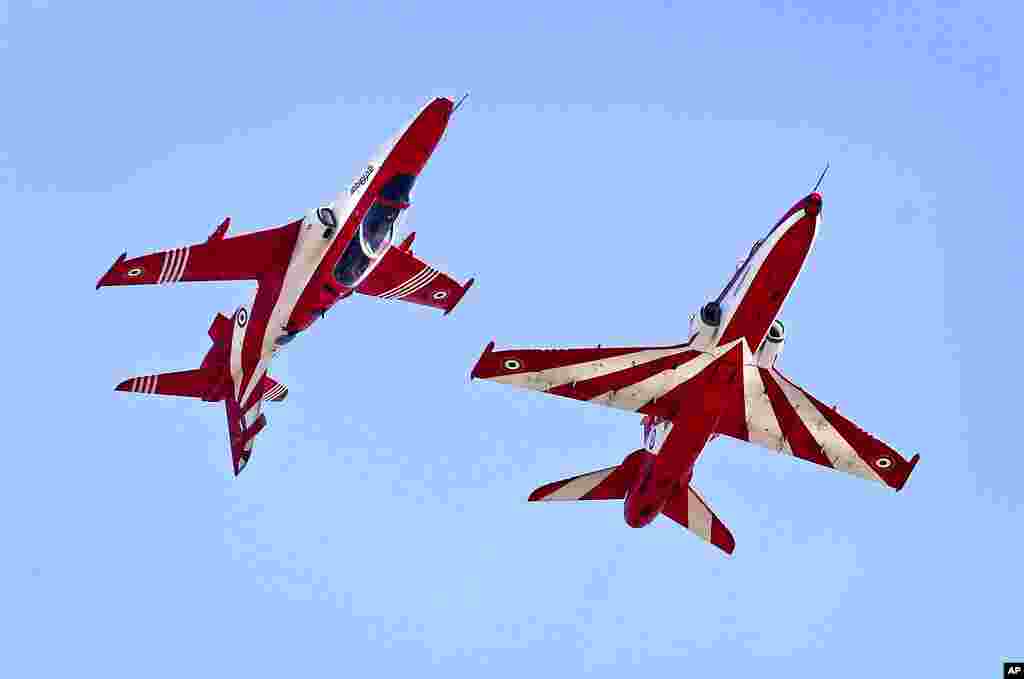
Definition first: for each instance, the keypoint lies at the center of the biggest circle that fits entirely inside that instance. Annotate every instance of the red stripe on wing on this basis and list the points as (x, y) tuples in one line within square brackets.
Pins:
[(868, 448), (592, 388), (793, 429), (496, 363)]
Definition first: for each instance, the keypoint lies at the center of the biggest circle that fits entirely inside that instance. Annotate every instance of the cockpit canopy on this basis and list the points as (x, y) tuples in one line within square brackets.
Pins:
[(375, 232)]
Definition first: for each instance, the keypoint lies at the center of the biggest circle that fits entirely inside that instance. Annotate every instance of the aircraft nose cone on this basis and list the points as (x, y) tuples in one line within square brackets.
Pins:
[(443, 105), (415, 145), (434, 117), (812, 204)]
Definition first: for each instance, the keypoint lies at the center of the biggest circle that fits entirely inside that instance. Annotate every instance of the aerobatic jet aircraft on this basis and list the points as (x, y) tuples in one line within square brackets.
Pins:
[(301, 269), (722, 381)]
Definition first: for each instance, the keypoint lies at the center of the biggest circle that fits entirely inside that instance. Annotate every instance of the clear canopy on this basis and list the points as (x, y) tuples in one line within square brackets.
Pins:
[(375, 231)]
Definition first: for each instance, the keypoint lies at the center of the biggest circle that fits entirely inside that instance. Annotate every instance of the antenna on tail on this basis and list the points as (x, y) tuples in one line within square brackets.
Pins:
[(457, 105)]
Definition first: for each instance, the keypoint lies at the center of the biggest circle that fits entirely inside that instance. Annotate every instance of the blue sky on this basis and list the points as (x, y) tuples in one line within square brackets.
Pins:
[(611, 165)]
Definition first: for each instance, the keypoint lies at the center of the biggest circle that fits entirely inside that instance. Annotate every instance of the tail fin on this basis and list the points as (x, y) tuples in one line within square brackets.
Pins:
[(200, 383), (689, 509), (242, 429)]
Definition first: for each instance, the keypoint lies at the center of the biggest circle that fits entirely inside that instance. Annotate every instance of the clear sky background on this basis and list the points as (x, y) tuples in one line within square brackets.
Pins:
[(611, 165)]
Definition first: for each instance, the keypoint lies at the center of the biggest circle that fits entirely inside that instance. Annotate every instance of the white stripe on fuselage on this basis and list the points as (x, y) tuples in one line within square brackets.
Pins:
[(237, 341), (307, 255), (734, 299)]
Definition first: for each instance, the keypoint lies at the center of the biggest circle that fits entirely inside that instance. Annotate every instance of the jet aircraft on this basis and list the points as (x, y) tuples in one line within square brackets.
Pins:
[(723, 380), (302, 269)]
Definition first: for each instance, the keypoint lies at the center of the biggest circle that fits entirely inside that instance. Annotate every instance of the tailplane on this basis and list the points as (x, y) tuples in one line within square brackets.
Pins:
[(202, 383), (689, 509), (685, 507), (213, 381), (610, 483)]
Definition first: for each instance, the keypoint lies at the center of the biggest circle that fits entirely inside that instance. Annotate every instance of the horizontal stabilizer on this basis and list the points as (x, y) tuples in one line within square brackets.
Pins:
[(604, 484), (689, 509), (190, 383), (273, 390)]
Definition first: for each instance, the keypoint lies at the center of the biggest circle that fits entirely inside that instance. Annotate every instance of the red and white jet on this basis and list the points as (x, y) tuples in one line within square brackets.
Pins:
[(302, 269), (722, 381)]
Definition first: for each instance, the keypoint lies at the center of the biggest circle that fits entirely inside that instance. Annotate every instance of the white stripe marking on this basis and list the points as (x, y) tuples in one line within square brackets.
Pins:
[(735, 298), (422, 285), (181, 267), (401, 285), (639, 394), (413, 281), (699, 517), (549, 378), (172, 264), (257, 377), (762, 424), (839, 452), (579, 487), (163, 267)]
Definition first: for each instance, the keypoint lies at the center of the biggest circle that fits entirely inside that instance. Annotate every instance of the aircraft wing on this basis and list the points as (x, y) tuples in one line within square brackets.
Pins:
[(628, 378), (246, 257), (403, 275), (783, 417)]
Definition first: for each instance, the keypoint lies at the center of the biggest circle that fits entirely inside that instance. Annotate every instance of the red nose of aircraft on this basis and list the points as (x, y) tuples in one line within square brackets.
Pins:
[(812, 204), (419, 139)]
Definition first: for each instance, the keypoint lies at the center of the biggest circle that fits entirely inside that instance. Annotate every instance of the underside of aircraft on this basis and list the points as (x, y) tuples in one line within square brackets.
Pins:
[(722, 381)]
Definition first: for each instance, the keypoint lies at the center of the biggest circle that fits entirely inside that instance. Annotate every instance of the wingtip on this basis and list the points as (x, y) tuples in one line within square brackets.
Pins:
[(458, 298), (476, 368), (123, 386), (110, 271), (730, 546), (910, 468), (222, 228)]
